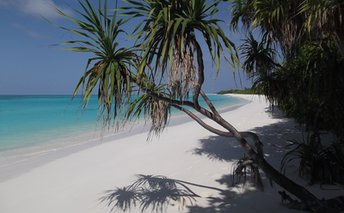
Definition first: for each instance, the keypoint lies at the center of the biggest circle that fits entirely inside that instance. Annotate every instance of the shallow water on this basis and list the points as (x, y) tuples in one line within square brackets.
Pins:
[(39, 120)]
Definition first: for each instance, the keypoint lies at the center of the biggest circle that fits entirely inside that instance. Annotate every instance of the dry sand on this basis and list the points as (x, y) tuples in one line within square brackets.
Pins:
[(75, 181)]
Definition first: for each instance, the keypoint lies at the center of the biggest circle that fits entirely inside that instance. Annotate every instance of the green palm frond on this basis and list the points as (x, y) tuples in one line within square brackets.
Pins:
[(326, 16), (168, 48), (168, 31), (241, 12), (258, 56), (109, 70)]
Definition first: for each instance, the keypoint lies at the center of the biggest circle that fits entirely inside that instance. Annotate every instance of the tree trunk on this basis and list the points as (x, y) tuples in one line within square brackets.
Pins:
[(307, 198), (312, 202)]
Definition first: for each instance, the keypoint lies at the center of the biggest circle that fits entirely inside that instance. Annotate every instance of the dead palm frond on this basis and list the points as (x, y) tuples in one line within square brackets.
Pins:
[(182, 77)]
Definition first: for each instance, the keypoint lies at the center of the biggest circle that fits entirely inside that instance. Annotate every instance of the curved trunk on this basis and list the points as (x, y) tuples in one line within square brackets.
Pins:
[(298, 191), (257, 156), (307, 198)]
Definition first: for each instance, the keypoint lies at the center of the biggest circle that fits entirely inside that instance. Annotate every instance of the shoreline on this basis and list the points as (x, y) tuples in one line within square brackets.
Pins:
[(21, 160), (185, 153)]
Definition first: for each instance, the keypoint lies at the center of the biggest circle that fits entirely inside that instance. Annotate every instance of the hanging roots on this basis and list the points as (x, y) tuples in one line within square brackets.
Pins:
[(182, 74), (159, 115), (245, 168)]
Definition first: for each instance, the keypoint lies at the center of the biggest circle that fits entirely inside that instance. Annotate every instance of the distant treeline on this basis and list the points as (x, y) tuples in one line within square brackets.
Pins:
[(238, 91)]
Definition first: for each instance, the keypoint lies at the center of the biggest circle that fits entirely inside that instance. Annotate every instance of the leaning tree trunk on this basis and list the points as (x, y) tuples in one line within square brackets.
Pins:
[(257, 155), (307, 198)]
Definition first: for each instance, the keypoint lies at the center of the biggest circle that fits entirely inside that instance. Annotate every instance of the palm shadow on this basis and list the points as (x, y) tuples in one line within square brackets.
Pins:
[(156, 193), (275, 112), (153, 193), (219, 148), (274, 137)]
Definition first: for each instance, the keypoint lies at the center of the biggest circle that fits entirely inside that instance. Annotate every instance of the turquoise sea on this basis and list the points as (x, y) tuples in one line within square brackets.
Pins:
[(38, 120)]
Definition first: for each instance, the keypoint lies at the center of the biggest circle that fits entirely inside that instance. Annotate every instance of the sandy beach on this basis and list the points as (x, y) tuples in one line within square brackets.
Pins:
[(197, 161)]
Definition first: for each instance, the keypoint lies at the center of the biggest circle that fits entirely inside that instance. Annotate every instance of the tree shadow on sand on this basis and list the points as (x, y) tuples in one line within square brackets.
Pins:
[(227, 149), (274, 137), (156, 193), (219, 148), (153, 193)]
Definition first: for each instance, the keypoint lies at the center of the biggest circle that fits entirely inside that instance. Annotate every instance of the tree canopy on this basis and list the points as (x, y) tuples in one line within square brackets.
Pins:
[(309, 36), (165, 66)]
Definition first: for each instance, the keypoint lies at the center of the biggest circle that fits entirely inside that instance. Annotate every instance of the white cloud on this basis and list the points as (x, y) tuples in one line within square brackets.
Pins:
[(44, 8), (40, 8)]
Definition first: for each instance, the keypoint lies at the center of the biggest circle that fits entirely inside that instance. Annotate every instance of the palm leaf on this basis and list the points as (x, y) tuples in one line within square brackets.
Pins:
[(109, 70)]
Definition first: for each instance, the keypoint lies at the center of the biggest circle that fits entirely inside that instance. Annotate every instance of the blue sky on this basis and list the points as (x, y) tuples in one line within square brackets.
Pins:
[(31, 63)]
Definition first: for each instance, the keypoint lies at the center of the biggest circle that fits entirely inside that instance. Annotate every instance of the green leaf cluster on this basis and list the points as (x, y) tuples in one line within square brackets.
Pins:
[(168, 27), (134, 80), (307, 83), (109, 69)]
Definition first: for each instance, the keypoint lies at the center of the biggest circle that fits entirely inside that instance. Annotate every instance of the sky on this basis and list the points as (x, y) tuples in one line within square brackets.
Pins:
[(31, 62)]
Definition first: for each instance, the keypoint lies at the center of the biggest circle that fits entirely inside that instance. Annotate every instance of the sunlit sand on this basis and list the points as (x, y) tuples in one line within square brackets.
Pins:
[(199, 163)]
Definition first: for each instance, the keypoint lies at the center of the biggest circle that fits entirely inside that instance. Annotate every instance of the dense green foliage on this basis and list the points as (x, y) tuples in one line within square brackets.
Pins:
[(315, 87), (237, 91), (166, 65), (316, 162), (307, 83)]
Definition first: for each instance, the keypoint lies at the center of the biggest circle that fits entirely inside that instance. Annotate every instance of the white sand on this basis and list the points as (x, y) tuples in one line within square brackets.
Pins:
[(73, 183)]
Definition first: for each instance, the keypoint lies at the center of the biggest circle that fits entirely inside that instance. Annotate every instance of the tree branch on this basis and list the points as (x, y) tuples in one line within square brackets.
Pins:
[(146, 88), (256, 155), (200, 64), (209, 103), (202, 123), (217, 131)]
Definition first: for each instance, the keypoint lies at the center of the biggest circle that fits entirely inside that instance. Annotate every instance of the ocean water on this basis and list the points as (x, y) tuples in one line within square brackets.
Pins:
[(39, 120)]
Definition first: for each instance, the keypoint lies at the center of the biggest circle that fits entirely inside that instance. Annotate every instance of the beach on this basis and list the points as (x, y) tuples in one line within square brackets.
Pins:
[(197, 161)]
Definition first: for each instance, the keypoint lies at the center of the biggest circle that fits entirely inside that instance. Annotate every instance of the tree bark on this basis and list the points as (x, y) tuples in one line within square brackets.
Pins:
[(311, 201)]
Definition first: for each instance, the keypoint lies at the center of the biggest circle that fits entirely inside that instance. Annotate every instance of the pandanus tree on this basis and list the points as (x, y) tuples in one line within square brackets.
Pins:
[(296, 26), (164, 69), (259, 64), (325, 16), (290, 23), (278, 20)]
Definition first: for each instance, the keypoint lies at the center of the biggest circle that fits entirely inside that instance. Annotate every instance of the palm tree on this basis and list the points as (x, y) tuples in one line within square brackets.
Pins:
[(259, 56), (324, 16), (292, 22), (310, 35), (259, 64), (169, 38), (280, 20), (170, 34), (294, 25), (109, 68)]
